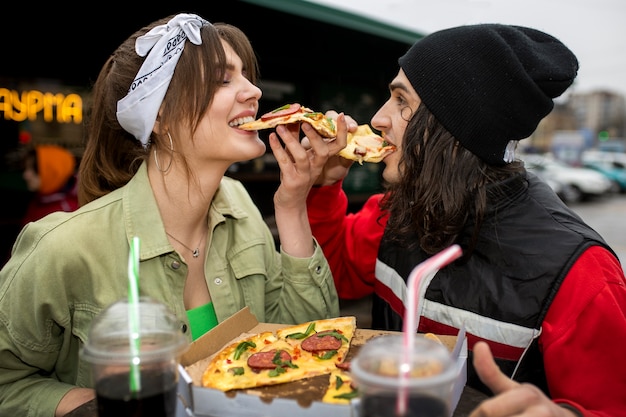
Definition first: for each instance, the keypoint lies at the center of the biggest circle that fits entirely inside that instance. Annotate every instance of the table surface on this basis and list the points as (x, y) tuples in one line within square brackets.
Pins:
[(470, 398)]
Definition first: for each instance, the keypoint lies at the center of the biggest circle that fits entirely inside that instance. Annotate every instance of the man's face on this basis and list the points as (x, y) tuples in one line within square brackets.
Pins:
[(392, 118)]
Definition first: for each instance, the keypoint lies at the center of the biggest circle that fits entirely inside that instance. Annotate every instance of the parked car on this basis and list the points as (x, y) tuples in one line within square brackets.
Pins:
[(594, 155), (575, 183), (614, 171)]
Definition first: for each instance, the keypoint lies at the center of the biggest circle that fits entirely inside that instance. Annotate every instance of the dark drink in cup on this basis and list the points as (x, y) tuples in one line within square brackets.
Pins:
[(384, 405), (156, 399), (135, 376)]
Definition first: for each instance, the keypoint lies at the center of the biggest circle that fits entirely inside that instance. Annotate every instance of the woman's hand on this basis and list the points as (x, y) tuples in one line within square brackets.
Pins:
[(299, 168), (510, 398), (302, 163)]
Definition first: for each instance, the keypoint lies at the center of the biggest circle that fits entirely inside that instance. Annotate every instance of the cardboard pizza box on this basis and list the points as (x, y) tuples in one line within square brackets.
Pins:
[(284, 400)]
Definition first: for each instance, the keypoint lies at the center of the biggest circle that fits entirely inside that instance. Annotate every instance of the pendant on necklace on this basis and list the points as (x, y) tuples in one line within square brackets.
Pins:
[(196, 252)]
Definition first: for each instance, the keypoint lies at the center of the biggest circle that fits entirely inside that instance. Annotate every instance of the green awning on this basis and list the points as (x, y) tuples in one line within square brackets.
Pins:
[(340, 18)]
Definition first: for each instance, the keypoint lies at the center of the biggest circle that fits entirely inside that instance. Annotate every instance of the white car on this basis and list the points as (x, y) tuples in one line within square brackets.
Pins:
[(575, 183), (593, 155)]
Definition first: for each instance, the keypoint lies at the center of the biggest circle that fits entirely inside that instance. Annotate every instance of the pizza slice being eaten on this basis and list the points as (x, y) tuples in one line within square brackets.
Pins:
[(366, 146), (363, 145), (294, 113), (289, 354)]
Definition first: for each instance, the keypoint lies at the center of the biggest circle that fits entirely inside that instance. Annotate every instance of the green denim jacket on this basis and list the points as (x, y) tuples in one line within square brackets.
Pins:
[(67, 267)]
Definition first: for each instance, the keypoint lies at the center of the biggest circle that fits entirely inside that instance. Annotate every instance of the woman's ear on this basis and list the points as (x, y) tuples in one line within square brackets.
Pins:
[(158, 129)]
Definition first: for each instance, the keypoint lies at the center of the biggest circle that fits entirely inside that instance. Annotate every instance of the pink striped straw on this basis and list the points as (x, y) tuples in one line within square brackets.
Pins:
[(426, 269)]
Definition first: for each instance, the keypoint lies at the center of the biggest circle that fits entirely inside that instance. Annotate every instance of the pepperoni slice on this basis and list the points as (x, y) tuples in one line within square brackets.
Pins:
[(265, 360), (321, 342), (343, 365), (285, 110)]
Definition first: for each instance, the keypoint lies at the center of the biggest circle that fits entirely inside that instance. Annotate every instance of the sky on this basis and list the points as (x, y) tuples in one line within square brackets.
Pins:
[(595, 30)]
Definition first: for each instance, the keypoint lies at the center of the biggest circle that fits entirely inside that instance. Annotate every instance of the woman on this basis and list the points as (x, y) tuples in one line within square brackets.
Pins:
[(536, 287), (162, 134)]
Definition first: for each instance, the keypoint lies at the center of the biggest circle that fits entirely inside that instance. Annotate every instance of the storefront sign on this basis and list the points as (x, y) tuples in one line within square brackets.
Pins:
[(33, 104)]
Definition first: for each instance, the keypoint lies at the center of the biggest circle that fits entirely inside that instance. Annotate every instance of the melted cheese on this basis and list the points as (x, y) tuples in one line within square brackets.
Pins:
[(366, 146)]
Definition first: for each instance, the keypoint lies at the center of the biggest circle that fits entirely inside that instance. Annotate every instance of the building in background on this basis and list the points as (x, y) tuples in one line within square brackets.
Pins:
[(584, 121), (602, 112)]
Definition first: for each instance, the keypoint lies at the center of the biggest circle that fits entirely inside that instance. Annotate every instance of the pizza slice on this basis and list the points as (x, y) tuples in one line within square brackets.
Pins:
[(290, 354), (366, 146), (321, 342), (293, 113), (434, 337), (363, 145), (341, 389)]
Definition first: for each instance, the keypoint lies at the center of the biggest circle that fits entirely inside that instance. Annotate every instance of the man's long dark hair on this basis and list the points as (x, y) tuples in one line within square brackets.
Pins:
[(442, 188)]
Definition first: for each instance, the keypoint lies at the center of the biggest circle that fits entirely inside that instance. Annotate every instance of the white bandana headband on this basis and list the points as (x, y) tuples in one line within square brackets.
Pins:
[(138, 110)]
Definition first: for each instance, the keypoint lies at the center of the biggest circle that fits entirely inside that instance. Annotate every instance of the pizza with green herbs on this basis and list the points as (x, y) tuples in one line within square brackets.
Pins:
[(288, 354), (290, 114)]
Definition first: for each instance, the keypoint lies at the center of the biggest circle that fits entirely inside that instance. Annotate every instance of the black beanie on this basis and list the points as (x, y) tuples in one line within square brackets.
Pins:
[(489, 84)]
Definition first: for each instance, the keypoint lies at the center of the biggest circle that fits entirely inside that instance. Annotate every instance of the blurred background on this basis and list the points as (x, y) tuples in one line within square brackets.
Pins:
[(325, 54)]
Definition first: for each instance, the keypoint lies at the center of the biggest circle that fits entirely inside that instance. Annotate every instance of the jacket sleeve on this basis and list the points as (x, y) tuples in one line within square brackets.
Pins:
[(308, 291), (584, 335), (350, 241), (31, 336)]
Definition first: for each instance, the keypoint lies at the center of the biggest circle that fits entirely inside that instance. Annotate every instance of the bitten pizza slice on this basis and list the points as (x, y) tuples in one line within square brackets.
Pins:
[(293, 113), (366, 146), (363, 145)]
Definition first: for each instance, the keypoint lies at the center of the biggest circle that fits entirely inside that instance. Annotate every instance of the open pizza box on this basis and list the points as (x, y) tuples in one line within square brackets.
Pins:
[(299, 398)]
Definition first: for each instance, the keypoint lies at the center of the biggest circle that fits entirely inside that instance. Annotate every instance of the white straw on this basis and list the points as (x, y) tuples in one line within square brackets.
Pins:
[(426, 269)]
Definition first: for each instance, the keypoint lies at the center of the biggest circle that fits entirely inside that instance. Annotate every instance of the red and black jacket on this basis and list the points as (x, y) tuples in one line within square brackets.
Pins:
[(528, 242)]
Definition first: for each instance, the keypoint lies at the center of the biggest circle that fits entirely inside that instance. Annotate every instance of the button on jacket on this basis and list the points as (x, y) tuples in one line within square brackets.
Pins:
[(68, 267)]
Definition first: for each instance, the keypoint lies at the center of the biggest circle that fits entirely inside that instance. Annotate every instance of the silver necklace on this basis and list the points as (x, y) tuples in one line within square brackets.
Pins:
[(194, 252)]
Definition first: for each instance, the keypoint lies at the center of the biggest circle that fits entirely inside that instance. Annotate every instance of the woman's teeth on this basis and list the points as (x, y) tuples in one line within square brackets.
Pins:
[(240, 121)]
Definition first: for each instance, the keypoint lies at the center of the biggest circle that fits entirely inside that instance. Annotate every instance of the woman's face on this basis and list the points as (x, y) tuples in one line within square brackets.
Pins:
[(237, 98), (392, 119)]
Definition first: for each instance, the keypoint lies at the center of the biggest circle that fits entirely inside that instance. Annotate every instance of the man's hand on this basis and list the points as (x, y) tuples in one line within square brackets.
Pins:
[(510, 398), (336, 168)]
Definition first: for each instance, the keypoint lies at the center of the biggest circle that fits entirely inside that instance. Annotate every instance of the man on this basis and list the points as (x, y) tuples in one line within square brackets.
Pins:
[(536, 287)]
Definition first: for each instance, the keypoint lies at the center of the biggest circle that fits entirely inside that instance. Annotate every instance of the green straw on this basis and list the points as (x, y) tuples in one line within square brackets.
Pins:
[(133, 310)]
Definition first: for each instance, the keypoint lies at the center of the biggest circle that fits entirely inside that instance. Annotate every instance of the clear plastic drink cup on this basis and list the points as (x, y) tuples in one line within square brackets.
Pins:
[(427, 390), (154, 360)]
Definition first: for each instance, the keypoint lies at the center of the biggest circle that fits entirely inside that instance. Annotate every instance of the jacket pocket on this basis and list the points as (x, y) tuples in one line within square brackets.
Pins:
[(249, 258)]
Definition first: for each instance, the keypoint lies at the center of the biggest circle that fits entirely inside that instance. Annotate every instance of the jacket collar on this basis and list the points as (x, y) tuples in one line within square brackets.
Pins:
[(143, 219)]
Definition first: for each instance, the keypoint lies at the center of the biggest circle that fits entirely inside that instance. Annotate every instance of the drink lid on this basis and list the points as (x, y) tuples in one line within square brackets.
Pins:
[(379, 361), (109, 339)]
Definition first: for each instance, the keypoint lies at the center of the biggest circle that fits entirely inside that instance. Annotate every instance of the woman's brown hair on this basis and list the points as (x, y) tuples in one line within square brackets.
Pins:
[(112, 155)]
